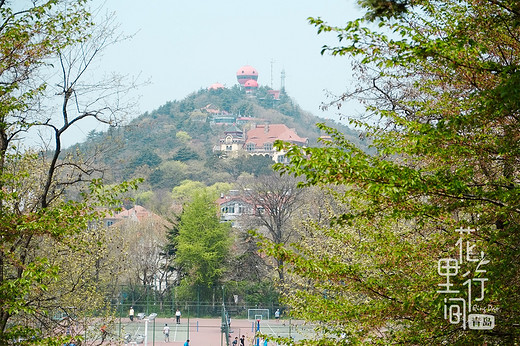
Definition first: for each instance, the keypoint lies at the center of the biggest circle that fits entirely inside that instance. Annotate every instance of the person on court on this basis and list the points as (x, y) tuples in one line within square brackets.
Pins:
[(104, 333), (166, 332)]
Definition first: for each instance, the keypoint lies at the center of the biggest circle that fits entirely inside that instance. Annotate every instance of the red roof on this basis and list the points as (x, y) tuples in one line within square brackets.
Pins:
[(274, 93), (135, 212), (228, 199), (251, 84), (272, 132), (247, 71), (216, 86)]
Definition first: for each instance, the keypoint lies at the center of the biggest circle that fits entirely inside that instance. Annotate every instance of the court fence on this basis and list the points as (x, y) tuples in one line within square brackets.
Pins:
[(200, 310)]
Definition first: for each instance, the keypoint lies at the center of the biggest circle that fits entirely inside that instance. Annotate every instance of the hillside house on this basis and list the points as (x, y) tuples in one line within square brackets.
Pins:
[(233, 205), (233, 141), (260, 140), (136, 214)]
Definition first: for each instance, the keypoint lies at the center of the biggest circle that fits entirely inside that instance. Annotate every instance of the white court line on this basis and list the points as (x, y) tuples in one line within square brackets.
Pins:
[(175, 334), (272, 331)]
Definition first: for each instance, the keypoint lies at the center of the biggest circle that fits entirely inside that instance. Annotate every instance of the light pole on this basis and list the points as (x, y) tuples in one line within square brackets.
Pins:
[(188, 327), (120, 312), (151, 317)]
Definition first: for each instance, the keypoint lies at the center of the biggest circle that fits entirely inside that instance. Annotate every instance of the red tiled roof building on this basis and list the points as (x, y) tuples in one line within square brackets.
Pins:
[(260, 140)]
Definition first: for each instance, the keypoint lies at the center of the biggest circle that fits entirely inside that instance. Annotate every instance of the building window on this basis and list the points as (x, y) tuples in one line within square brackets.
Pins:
[(250, 147), (229, 147), (228, 210), (268, 146)]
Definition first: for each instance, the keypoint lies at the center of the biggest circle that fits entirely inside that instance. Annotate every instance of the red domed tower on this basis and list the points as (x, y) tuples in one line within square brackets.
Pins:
[(216, 86), (251, 85), (246, 73)]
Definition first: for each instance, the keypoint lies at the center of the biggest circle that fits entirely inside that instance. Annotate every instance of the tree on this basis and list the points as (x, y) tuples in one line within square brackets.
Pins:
[(185, 153), (203, 245), (253, 164), (170, 250), (275, 199), (54, 260), (147, 157), (183, 136), (440, 85), (33, 208), (145, 240), (89, 266), (184, 193), (168, 174)]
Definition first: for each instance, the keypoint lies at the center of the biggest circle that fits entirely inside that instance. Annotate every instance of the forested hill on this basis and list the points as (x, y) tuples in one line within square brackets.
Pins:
[(175, 142)]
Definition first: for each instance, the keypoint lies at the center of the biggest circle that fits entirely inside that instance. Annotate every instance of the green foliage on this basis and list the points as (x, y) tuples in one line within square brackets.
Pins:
[(218, 188), (377, 9), (168, 175), (172, 234), (189, 137), (257, 165), (43, 235), (187, 105), (144, 197), (147, 157), (255, 293), (442, 97), (284, 104), (185, 153), (203, 244), (183, 193), (183, 136), (41, 248), (188, 189)]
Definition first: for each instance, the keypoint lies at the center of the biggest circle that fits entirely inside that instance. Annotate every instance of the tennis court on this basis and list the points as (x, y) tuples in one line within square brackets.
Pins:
[(203, 331)]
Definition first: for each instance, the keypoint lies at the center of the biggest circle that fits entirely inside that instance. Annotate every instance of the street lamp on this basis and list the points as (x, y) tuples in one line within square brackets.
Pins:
[(151, 317)]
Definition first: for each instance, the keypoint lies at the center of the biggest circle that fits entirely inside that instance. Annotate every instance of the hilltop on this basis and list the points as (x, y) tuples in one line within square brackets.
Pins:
[(176, 141)]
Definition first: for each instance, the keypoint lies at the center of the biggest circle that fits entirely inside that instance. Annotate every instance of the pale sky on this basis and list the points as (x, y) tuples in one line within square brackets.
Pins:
[(183, 46)]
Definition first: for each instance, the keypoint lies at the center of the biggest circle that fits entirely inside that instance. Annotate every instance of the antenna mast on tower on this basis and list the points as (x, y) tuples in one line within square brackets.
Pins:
[(282, 80), (272, 63)]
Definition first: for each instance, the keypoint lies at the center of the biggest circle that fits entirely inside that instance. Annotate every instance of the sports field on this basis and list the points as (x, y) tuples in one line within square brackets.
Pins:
[(201, 331)]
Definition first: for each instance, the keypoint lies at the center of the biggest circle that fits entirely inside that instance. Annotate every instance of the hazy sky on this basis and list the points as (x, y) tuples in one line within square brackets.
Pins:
[(183, 46)]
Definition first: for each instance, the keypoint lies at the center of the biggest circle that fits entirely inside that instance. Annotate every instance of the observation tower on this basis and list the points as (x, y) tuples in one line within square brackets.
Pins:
[(246, 73)]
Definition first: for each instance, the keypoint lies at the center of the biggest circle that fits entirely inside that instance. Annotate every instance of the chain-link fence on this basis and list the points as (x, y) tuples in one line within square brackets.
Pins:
[(197, 302), (194, 309)]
